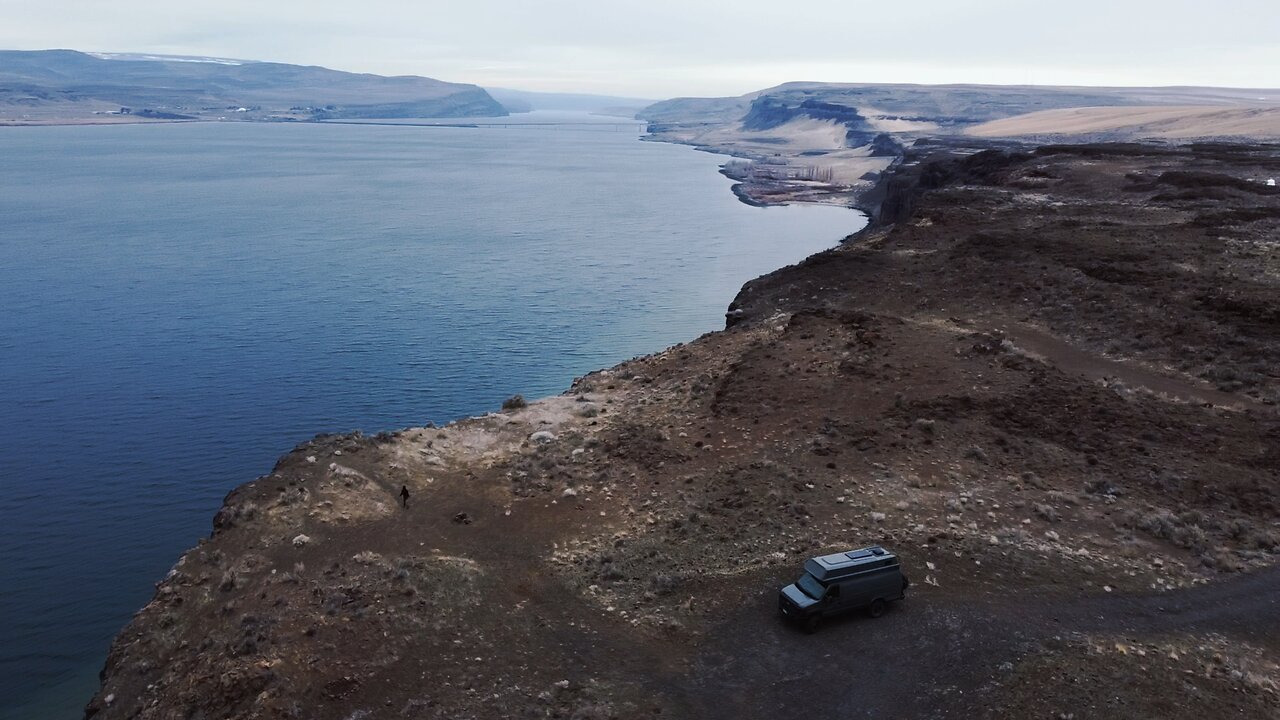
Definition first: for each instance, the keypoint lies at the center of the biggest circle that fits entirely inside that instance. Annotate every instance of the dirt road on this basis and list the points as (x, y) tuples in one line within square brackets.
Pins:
[(939, 656)]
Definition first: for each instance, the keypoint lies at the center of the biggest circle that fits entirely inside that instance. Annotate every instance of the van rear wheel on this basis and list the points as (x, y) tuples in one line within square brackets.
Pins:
[(877, 608), (811, 625)]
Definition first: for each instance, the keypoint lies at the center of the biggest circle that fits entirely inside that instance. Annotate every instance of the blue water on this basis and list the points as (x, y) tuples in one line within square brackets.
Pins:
[(181, 304)]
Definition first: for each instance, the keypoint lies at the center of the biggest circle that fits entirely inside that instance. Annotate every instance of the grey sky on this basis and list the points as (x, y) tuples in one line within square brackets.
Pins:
[(663, 48)]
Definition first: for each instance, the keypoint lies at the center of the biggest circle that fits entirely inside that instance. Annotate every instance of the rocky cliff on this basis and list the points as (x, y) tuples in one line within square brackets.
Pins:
[(1045, 377)]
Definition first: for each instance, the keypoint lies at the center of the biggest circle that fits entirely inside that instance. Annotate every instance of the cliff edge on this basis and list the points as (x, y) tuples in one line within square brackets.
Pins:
[(1046, 378)]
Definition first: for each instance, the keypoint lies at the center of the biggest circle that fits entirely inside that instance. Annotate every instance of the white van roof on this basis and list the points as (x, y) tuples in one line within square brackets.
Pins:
[(837, 565)]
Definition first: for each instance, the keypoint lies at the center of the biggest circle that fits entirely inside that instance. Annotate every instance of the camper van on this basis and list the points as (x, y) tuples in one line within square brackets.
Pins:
[(869, 578)]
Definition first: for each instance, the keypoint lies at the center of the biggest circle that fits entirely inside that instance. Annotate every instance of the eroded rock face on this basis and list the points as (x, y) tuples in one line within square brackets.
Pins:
[(1048, 385)]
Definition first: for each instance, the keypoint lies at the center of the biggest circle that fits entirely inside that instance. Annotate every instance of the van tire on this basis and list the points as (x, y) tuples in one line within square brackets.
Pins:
[(876, 609), (812, 624)]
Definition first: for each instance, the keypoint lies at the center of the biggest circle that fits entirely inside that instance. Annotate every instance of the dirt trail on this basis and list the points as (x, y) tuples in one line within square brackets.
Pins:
[(1072, 359), (1247, 607)]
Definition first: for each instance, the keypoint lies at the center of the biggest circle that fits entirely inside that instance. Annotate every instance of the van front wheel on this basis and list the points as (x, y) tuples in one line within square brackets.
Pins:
[(877, 608)]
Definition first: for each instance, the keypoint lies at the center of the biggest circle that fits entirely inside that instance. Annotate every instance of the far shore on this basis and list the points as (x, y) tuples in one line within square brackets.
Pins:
[(105, 120)]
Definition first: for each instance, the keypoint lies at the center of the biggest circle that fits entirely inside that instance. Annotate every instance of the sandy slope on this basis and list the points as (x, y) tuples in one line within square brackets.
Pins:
[(1165, 122)]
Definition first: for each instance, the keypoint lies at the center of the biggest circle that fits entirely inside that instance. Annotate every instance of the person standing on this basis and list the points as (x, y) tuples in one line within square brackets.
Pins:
[(404, 496)]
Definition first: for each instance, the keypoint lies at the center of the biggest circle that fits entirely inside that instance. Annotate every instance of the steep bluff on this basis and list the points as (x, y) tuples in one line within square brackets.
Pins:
[(1044, 376)]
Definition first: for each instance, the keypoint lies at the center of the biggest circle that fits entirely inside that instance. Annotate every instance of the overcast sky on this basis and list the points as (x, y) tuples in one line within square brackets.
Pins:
[(665, 48)]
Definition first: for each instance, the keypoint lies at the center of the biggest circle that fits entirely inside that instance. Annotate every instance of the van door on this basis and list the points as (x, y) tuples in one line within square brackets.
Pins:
[(861, 589), (835, 598), (873, 587), (886, 585), (889, 584)]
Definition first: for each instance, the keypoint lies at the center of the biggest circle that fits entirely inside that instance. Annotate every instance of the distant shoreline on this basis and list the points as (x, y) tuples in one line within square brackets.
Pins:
[(389, 122), (123, 120)]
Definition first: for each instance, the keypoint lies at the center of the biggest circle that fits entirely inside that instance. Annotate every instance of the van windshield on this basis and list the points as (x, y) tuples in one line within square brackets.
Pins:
[(810, 586)]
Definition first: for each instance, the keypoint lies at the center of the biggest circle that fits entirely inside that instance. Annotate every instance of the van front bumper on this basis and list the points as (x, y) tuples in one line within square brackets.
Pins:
[(790, 611)]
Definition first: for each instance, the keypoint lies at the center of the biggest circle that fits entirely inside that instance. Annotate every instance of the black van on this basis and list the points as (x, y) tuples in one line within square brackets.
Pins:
[(869, 578)]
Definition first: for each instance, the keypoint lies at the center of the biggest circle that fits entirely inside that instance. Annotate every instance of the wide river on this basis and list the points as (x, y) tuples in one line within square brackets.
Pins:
[(181, 304)]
